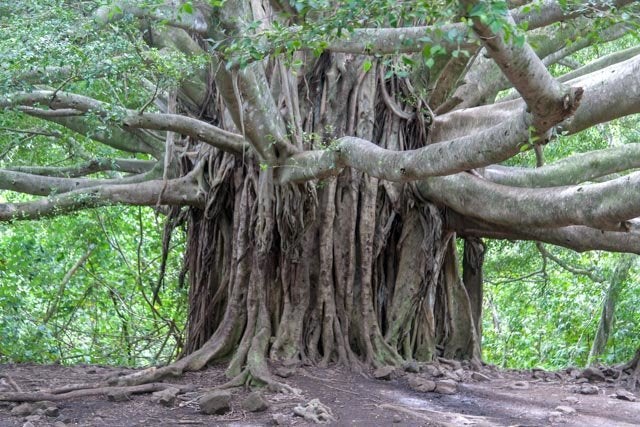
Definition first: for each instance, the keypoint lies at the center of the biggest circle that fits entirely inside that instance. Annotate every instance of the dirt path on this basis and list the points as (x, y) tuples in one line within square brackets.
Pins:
[(493, 399)]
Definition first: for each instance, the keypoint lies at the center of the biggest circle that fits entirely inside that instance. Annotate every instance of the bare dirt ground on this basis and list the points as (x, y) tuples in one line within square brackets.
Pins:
[(486, 398)]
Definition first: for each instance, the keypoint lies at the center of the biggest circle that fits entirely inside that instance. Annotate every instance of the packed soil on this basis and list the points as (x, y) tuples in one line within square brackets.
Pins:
[(482, 397)]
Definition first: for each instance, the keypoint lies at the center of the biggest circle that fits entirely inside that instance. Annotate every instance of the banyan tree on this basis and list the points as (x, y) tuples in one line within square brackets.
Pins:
[(336, 164)]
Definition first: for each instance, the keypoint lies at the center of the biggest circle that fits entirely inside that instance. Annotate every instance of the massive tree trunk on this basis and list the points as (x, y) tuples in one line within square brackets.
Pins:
[(324, 194), (350, 269)]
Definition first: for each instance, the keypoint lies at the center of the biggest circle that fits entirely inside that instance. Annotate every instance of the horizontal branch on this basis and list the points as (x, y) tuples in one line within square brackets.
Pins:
[(166, 13), (572, 170), (177, 192), (609, 93), (602, 62), (414, 39), (476, 150), (93, 166), (608, 205), (197, 129), (578, 238), (41, 185)]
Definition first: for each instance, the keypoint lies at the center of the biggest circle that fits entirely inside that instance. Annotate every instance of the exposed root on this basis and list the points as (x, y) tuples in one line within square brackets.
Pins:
[(315, 411), (37, 396)]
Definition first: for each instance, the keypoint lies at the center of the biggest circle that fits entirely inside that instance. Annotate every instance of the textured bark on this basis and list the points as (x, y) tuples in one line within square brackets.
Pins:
[(605, 324), (473, 258), (351, 270)]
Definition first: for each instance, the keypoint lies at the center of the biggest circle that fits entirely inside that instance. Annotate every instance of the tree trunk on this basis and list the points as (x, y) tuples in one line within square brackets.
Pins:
[(472, 277), (616, 284), (348, 270)]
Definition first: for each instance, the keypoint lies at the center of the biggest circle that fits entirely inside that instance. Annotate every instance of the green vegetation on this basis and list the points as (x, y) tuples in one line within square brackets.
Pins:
[(105, 312), (107, 286)]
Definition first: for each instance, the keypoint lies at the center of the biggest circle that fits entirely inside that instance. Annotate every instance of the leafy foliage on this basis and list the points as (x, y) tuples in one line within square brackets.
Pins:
[(106, 312)]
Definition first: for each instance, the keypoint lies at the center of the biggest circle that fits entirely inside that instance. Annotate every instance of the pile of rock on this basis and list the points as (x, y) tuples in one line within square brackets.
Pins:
[(441, 376)]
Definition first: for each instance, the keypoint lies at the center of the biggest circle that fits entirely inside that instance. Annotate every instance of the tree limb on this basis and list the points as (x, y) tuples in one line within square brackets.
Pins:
[(95, 165), (178, 192), (577, 238), (569, 171), (607, 205)]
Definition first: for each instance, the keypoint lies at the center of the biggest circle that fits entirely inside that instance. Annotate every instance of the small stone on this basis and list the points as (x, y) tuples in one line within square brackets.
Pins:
[(28, 424), (280, 419), (446, 387), (23, 409), (582, 381), (166, 397), (421, 384), (215, 402), (555, 414), (452, 376), (480, 377), (51, 411), (593, 374), (383, 373), (571, 399), (411, 366), (59, 424), (625, 395), (255, 402), (118, 396), (284, 372), (585, 389), (64, 419), (397, 419), (568, 410), (520, 385), (431, 370), (33, 418)]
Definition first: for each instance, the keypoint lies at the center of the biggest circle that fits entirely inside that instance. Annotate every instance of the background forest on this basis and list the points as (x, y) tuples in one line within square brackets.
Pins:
[(92, 287)]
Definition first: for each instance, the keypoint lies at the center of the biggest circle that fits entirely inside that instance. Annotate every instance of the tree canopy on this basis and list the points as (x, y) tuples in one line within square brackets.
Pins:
[(100, 104)]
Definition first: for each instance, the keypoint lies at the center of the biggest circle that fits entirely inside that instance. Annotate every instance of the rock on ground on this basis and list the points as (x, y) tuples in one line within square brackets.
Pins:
[(593, 374), (384, 373), (421, 384), (625, 395), (314, 411), (166, 397), (446, 387), (255, 402), (215, 402)]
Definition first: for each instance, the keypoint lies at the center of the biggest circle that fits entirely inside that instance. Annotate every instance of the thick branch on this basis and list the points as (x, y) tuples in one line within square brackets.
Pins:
[(395, 40), (484, 148), (197, 129), (610, 93), (570, 171), (605, 205), (96, 165), (166, 13), (547, 99), (577, 238), (177, 192), (41, 185), (602, 62)]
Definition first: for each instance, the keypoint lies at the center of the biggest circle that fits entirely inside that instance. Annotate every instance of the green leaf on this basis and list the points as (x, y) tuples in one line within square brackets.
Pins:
[(366, 65)]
